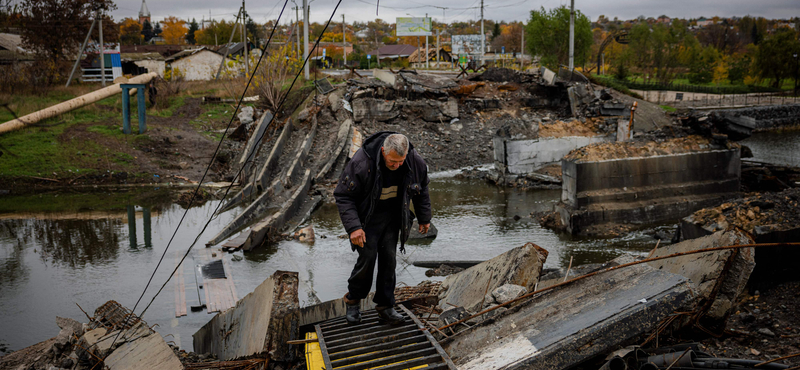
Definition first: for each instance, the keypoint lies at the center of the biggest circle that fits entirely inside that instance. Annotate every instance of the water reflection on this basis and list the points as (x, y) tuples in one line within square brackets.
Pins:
[(146, 226), (780, 147), (71, 243)]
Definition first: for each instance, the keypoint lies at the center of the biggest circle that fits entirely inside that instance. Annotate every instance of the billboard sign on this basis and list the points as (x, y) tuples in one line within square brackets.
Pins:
[(413, 26), (466, 44)]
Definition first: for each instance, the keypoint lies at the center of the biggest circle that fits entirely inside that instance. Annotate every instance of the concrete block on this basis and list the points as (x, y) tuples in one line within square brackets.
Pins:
[(258, 323), (385, 76), (67, 323), (373, 109), (508, 292), (520, 266), (548, 76), (144, 350), (718, 277), (525, 156), (573, 323)]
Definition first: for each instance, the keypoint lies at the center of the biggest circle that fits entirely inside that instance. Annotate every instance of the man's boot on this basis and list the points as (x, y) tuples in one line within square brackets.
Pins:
[(353, 312), (389, 315)]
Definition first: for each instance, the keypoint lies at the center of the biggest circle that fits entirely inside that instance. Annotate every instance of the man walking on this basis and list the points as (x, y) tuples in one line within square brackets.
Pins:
[(373, 197)]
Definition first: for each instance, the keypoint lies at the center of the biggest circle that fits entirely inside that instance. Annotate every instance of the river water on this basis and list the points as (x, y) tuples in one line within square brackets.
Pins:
[(60, 250)]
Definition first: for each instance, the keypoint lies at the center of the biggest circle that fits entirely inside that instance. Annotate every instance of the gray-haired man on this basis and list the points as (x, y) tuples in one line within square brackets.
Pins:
[(373, 196)]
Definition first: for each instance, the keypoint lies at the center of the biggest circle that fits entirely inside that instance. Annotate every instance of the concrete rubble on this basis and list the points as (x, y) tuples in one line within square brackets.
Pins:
[(574, 323), (519, 266), (768, 218), (113, 336)]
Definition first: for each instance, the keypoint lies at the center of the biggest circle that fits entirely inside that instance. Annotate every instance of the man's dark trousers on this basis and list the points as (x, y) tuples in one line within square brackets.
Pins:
[(382, 231)]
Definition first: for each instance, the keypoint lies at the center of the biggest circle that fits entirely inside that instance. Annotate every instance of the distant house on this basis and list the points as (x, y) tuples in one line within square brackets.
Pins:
[(195, 65), (418, 56), (141, 63), (10, 50), (703, 22), (664, 20), (233, 49), (393, 52)]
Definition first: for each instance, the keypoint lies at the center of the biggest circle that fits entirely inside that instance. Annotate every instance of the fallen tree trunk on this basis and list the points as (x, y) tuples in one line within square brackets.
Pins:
[(72, 104)]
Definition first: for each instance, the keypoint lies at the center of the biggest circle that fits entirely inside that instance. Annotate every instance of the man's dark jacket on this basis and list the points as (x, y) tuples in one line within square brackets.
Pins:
[(360, 187)]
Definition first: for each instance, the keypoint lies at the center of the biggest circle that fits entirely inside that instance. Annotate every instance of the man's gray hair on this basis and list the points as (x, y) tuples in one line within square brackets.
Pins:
[(397, 143)]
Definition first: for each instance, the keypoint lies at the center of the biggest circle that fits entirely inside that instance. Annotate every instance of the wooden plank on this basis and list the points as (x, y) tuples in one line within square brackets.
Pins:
[(220, 293), (180, 286)]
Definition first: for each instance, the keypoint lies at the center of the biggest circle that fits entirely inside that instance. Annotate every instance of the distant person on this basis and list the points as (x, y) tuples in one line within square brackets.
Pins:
[(373, 196)]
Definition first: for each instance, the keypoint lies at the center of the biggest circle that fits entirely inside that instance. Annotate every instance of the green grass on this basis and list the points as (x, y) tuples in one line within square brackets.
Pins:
[(175, 102), (45, 149), (668, 108), (786, 85)]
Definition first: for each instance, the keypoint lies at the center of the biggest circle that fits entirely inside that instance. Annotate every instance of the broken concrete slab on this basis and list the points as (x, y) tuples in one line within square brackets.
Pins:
[(259, 323), (519, 266), (548, 76), (295, 169), (374, 109), (427, 82), (246, 159), (385, 76), (271, 165), (341, 142), (142, 348), (267, 171), (272, 225), (718, 277), (528, 155), (573, 323)]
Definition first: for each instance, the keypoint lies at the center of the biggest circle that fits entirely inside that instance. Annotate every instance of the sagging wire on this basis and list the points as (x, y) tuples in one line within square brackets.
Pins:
[(280, 105), (197, 189)]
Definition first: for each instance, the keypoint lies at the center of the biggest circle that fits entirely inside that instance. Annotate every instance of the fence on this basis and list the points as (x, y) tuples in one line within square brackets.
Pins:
[(727, 90), (680, 99)]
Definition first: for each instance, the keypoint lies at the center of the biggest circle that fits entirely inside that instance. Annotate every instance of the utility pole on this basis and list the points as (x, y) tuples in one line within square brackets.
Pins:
[(571, 35), (83, 47), (102, 51), (437, 49), (305, 38), (522, 47), (483, 36), (344, 40), (297, 26), (244, 39), (427, 59), (228, 45)]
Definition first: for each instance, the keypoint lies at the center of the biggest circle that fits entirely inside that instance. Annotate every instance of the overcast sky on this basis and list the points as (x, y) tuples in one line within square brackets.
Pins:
[(507, 10)]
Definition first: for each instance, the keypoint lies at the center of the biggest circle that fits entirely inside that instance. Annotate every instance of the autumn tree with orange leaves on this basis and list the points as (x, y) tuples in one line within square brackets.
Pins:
[(174, 31), (130, 32)]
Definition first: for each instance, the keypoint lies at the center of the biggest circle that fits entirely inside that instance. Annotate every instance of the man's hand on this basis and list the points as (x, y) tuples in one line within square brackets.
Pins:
[(423, 228), (359, 238)]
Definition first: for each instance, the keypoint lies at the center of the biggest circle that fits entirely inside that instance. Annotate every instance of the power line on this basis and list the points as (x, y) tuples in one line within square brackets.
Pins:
[(194, 195), (280, 105)]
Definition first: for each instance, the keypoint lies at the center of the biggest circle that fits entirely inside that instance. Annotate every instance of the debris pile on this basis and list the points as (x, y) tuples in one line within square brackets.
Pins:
[(759, 213), (114, 338), (631, 149)]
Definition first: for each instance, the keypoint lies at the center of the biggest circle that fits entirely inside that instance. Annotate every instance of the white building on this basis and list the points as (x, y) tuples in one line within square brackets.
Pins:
[(198, 64)]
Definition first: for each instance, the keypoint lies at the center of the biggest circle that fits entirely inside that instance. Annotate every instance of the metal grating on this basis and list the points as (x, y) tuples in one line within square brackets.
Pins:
[(375, 345)]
